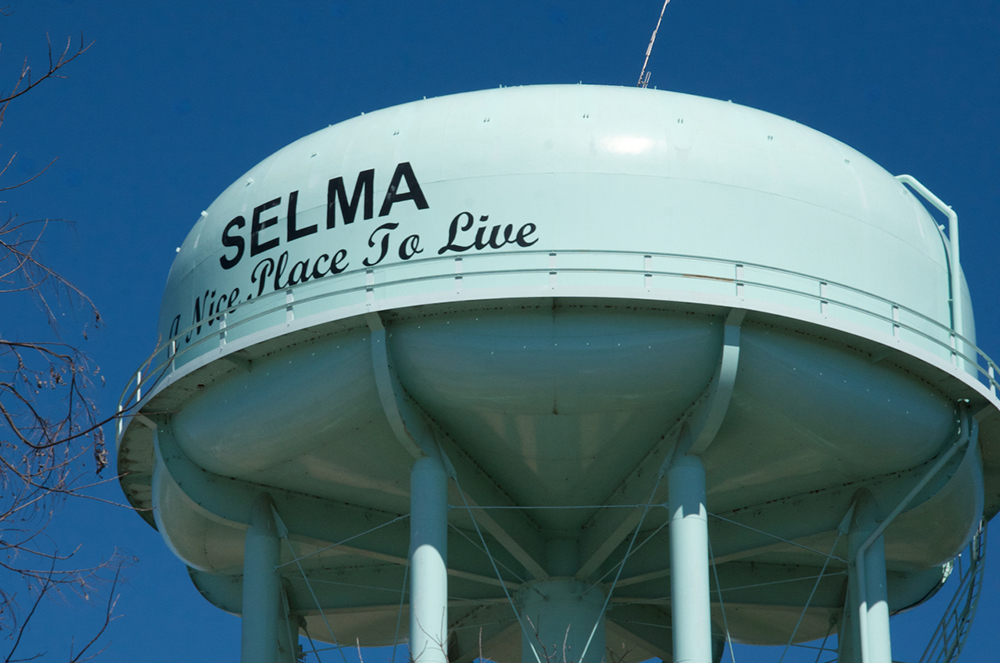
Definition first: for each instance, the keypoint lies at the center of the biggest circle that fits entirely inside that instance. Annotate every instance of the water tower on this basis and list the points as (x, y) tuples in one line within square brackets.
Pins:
[(552, 371)]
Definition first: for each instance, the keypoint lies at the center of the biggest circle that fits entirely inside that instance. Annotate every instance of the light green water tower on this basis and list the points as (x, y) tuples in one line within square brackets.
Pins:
[(545, 372)]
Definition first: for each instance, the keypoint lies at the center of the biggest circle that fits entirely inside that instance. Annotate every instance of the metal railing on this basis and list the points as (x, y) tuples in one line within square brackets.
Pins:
[(952, 631), (827, 298)]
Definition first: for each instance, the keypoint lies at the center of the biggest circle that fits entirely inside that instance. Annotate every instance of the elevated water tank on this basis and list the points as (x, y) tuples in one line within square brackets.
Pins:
[(559, 308)]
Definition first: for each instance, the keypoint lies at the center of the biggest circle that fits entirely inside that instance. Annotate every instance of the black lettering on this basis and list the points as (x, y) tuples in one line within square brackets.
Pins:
[(335, 192), (261, 271), (175, 326), (211, 309), (279, 271), (479, 236), (494, 240), (385, 242), (414, 193), (299, 273), (523, 233), (453, 231), (293, 231), (317, 270), (257, 225), (197, 315), (498, 237), (335, 266), (410, 247), (234, 241)]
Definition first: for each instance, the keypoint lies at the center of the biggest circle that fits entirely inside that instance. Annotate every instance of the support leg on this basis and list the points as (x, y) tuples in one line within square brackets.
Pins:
[(261, 586), (689, 590), (288, 630), (879, 640), (848, 650), (428, 561), (867, 638)]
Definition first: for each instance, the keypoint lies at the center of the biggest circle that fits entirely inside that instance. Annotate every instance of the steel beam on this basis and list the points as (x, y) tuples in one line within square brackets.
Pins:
[(754, 527), (515, 531), (693, 434), (310, 519)]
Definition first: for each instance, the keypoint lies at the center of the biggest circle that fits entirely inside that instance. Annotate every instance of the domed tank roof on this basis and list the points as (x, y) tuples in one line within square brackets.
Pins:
[(554, 169)]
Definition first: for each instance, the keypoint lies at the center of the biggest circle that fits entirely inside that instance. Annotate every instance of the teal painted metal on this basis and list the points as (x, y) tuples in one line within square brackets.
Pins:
[(868, 598), (875, 647), (561, 616), (692, 625), (672, 164), (948, 640), (428, 561), (551, 291), (261, 586), (956, 282)]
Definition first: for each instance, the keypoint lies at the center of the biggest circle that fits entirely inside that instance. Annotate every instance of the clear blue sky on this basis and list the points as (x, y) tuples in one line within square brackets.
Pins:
[(177, 99)]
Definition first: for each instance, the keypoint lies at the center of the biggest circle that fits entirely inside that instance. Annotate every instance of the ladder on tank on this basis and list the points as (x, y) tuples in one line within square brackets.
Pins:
[(951, 633)]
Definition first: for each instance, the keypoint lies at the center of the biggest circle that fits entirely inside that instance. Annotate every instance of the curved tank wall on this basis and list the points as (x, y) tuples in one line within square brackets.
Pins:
[(391, 201), (562, 282)]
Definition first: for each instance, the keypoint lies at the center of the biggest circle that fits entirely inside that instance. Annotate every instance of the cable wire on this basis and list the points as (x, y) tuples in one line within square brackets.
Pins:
[(496, 570)]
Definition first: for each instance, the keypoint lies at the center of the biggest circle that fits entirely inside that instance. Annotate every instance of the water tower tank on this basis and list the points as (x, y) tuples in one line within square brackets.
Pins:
[(566, 368)]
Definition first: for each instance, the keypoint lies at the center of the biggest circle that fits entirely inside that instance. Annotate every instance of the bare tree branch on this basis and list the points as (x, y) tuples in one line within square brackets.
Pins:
[(51, 435), (108, 617), (25, 83)]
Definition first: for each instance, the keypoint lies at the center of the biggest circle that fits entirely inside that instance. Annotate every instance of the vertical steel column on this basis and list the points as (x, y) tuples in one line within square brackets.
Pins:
[(261, 585), (848, 649), (689, 590), (879, 638), (288, 629), (428, 561), (872, 643)]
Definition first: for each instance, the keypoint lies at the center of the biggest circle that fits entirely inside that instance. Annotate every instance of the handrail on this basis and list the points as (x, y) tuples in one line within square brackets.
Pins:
[(152, 371), (954, 265), (949, 637)]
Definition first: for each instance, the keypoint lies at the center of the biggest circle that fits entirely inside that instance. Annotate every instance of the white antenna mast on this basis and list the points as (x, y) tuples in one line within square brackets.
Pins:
[(644, 75)]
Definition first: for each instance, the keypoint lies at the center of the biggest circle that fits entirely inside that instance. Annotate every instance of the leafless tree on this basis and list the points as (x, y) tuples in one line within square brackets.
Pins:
[(51, 439)]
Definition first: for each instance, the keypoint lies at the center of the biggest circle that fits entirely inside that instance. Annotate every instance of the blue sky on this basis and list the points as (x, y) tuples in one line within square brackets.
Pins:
[(176, 100)]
